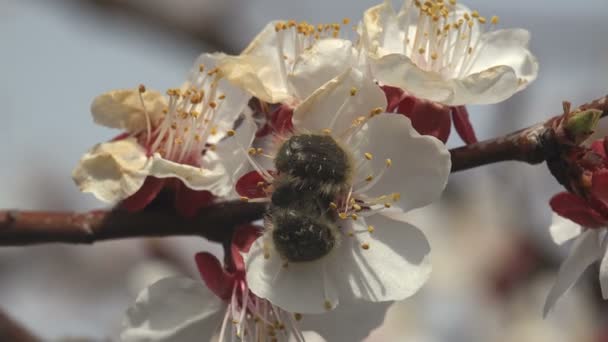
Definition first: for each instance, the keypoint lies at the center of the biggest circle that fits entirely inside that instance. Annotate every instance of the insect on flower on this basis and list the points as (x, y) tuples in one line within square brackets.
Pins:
[(313, 170), (333, 228)]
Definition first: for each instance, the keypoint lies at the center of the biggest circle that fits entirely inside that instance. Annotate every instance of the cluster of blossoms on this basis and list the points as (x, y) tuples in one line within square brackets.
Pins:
[(340, 131)]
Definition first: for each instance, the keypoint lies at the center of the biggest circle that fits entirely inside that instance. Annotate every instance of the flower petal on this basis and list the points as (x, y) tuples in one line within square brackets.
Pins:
[(563, 230), (300, 287), (112, 171), (485, 87), (324, 60), (122, 109), (394, 265), (338, 102), (230, 157), (400, 71), (350, 321), (604, 273), (507, 48), (234, 99), (258, 68), (195, 178), (173, 309), (420, 164), (584, 251), (489, 86)]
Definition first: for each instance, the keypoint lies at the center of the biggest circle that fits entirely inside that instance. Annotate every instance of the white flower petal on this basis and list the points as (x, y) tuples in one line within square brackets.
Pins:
[(489, 86), (326, 59), (195, 178), (563, 230), (508, 48), (309, 336), (604, 274), (584, 251), (400, 71), (394, 267), (350, 321), (235, 99), (173, 309), (258, 68), (122, 109), (383, 28), (333, 107), (112, 171), (499, 66), (420, 164), (230, 155), (300, 287)]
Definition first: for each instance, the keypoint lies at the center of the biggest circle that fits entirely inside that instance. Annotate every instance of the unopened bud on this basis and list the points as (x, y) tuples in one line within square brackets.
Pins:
[(579, 126)]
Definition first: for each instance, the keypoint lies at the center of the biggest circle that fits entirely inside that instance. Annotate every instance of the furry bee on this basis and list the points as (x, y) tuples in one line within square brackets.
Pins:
[(313, 170)]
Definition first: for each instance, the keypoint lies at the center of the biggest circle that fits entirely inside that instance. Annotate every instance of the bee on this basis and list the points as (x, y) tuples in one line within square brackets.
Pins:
[(313, 170)]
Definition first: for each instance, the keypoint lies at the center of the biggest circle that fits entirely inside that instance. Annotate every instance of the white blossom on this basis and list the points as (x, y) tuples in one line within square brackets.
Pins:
[(441, 51), (288, 61), (191, 135), (378, 257), (179, 309), (588, 246)]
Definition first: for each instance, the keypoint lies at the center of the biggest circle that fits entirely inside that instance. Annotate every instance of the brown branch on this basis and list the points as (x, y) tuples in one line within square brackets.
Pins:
[(216, 223), (13, 331), (525, 145)]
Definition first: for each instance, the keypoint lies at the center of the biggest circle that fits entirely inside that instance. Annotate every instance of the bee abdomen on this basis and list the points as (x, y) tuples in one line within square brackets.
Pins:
[(299, 237)]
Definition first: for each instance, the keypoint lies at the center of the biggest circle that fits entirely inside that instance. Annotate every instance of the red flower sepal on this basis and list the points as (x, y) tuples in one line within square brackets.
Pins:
[(222, 280)]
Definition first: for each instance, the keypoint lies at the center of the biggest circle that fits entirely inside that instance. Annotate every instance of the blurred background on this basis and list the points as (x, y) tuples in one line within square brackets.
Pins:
[(492, 256)]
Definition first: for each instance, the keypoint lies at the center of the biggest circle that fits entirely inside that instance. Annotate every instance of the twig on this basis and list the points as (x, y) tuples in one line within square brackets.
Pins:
[(13, 331), (216, 223), (525, 145)]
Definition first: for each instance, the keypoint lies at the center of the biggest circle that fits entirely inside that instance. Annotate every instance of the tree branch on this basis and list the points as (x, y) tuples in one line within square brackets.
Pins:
[(13, 331), (525, 145), (216, 223)]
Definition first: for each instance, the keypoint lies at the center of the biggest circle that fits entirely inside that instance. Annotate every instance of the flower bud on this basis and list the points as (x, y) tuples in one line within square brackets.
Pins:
[(580, 125)]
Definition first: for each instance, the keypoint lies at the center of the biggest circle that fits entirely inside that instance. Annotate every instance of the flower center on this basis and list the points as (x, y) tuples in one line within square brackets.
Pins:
[(442, 37), (182, 132)]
